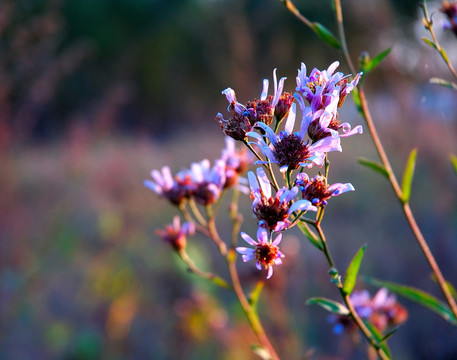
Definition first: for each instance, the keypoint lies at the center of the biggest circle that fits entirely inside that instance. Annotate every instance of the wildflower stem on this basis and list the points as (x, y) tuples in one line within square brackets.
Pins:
[(213, 232), (247, 308), (198, 215), (291, 7), (236, 217), (266, 166), (206, 275), (392, 178), (185, 213), (428, 23), (366, 332)]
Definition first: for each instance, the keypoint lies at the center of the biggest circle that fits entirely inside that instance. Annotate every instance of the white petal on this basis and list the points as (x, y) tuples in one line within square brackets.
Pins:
[(264, 94), (248, 239), (290, 122), (264, 182), (270, 272)]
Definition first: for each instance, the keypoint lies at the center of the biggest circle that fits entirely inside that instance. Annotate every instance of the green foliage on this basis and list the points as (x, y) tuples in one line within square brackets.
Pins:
[(419, 297), (352, 271), (429, 43), (311, 236), (442, 82), (453, 159), (329, 305), (373, 63), (255, 294), (379, 168), (381, 340), (326, 35), (408, 176)]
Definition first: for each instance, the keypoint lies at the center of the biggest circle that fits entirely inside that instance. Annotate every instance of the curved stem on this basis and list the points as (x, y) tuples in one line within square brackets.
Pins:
[(214, 235), (393, 180), (266, 166), (247, 308)]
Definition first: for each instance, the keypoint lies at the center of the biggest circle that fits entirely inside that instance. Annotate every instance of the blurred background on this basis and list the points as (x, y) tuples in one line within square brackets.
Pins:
[(95, 94)]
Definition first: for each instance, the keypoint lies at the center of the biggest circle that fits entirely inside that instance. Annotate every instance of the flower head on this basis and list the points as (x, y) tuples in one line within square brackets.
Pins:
[(273, 211), (317, 191), (236, 163), (450, 10), (319, 84), (382, 311), (265, 251), (290, 150), (175, 234), (176, 189)]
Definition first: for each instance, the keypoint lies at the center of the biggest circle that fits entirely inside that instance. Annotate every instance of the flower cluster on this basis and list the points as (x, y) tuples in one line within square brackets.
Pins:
[(382, 311), (175, 234), (202, 182), (319, 95)]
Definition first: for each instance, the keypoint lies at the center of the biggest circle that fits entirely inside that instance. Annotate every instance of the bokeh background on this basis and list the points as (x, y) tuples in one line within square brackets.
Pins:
[(95, 94)]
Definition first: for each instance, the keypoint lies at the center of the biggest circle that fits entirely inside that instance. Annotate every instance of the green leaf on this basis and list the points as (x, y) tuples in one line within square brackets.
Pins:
[(449, 286), (429, 42), (351, 272), (378, 336), (326, 35), (329, 305), (442, 82), (357, 101), (261, 352), (389, 334), (255, 294), (419, 297), (312, 237), (408, 176), (453, 159), (444, 55), (375, 61), (374, 166)]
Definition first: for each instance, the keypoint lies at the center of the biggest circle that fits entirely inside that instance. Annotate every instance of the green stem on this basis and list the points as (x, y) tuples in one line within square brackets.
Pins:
[(266, 166), (198, 215)]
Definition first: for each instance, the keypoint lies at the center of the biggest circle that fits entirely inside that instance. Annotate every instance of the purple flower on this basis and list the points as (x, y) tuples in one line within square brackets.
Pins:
[(265, 251), (450, 10), (324, 122), (176, 190), (175, 234), (317, 190), (273, 211), (319, 84), (289, 149), (236, 163)]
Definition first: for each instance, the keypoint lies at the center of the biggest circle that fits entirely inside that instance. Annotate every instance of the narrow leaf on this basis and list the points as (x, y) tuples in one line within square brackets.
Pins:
[(374, 166), (312, 237), (326, 35), (429, 42), (255, 294), (261, 352), (442, 82), (329, 305), (352, 271), (378, 336), (453, 159), (357, 101), (449, 286), (389, 334), (408, 176), (376, 60), (419, 297), (444, 55)]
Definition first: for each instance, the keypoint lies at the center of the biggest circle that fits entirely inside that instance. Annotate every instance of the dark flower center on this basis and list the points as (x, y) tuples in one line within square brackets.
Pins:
[(316, 191), (271, 211), (291, 151), (316, 132), (266, 253), (262, 110), (283, 106)]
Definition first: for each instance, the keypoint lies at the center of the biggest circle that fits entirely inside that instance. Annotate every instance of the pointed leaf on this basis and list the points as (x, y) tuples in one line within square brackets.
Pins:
[(389, 334), (261, 352), (329, 305), (443, 82), (449, 286), (312, 237), (444, 55), (351, 273), (418, 296), (255, 294), (375, 61), (408, 176), (357, 101), (429, 42), (454, 162), (374, 166), (378, 336), (326, 35)]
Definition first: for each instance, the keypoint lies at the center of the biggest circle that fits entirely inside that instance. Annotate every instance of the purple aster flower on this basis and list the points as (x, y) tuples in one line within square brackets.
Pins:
[(450, 10), (273, 211), (208, 181), (319, 84), (324, 122), (289, 149), (265, 252), (176, 190), (317, 191), (236, 163), (262, 110), (175, 234)]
